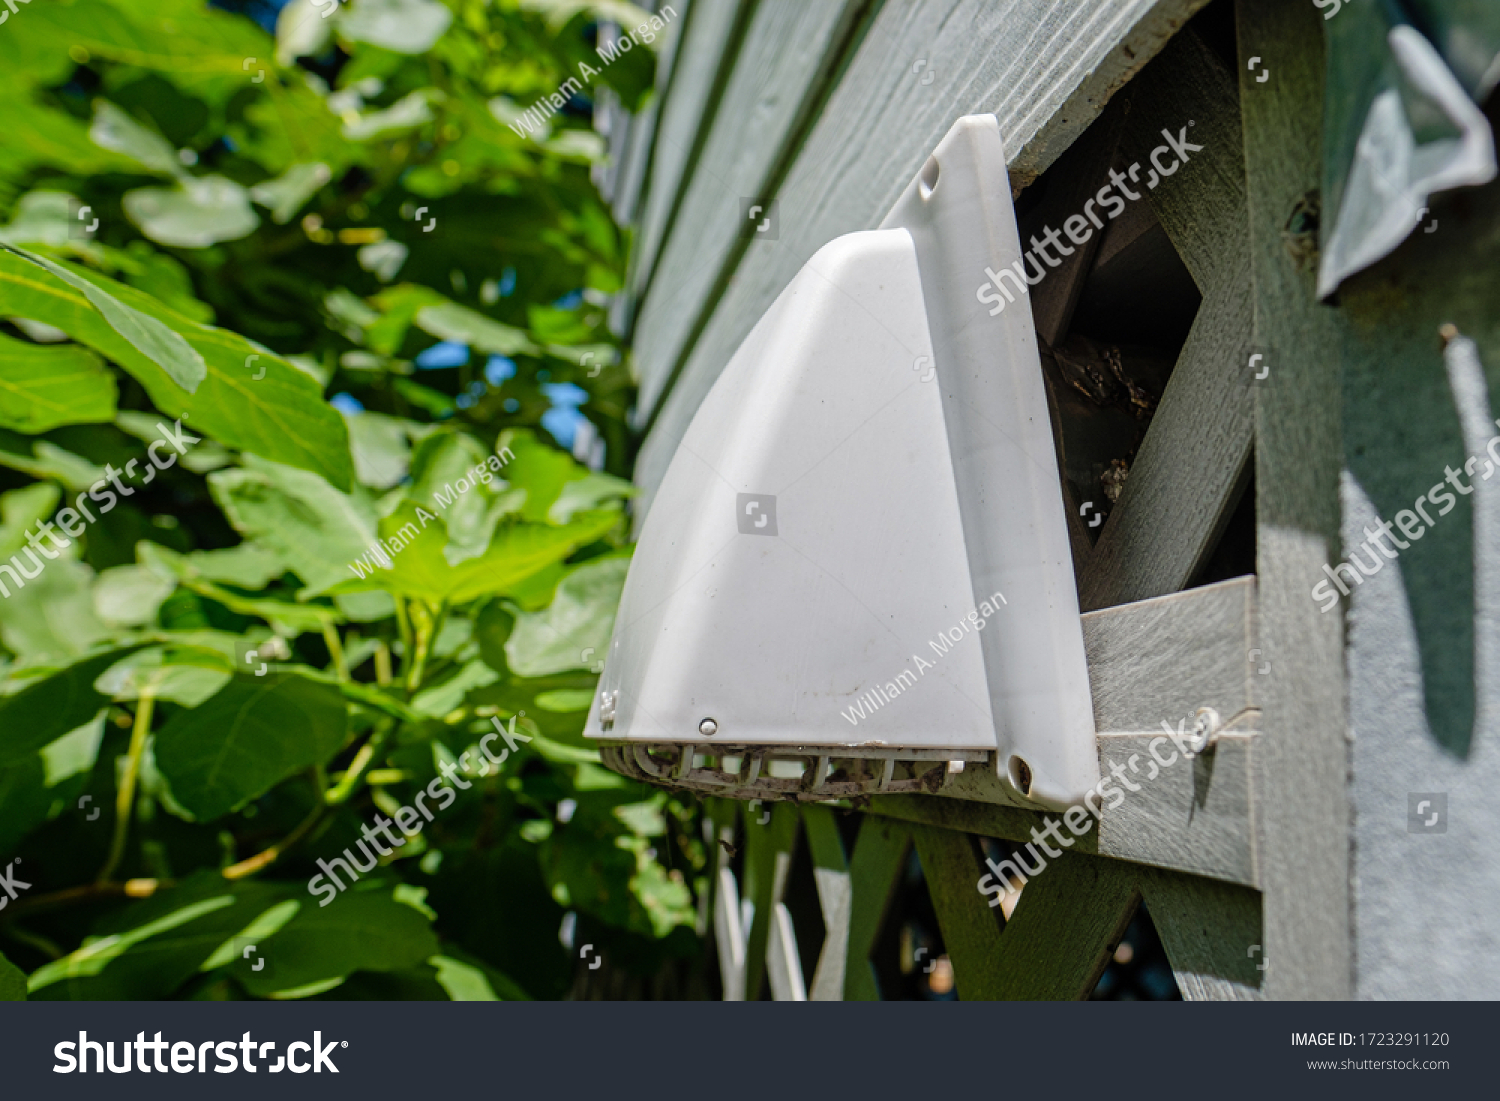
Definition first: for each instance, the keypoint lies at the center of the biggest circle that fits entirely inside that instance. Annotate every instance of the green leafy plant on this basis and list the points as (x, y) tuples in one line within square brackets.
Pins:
[(297, 303)]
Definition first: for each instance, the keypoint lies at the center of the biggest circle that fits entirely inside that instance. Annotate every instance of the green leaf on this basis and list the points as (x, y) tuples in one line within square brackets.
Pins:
[(433, 401), (282, 416), (116, 131), (289, 192), (462, 981), (515, 553), (40, 218), (298, 35), (56, 138), (47, 709), (247, 739), (442, 459), (20, 509), (249, 565), (565, 700), (162, 277), (150, 948), (52, 619), (590, 491), (293, 125), (437, 701), (310, 525), (559, 12), (381, 449), (287, 618), (43, 386), (75, 752), (44, 459), (164, 675), (403, 26), (450, 321), (154, 340), (24, 802), (364, 929), (128, 596), (199, 212), (13, 982), (579, 146), (573, 631), (542, 471), (398, 305), (405, 114)]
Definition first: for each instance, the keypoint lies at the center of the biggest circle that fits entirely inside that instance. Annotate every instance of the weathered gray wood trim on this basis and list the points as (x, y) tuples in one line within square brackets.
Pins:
[(768, 847), (835, 895), (873, 870), (1064, 928), (1182, 485), (1152, 662), (1083, 170), (1186, 476), (1201, 205), (1163, 658), (1195, 816), (952, 867), (1303, 814), (1212, 935)]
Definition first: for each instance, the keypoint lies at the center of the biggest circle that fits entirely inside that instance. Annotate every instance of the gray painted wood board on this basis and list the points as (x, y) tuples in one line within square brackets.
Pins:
[(1303, 819), (706, 44)]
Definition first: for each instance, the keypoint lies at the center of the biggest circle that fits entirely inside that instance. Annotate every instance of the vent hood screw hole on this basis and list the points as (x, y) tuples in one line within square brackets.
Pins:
[(1020, 775), (928, 182)]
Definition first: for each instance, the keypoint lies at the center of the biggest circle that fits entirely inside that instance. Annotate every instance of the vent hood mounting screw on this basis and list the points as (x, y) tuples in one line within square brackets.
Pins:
[(708, 728)]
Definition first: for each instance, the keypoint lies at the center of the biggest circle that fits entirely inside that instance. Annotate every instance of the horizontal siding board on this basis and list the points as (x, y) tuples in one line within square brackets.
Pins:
[(705, 38), (628, 177)]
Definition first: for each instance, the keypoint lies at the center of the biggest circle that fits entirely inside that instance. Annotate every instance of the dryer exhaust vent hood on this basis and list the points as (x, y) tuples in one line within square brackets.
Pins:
[(855, 576)]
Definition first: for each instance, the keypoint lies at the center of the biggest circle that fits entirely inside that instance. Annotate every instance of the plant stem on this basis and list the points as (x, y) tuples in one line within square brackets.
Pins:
[(131, 888), (424, 626), (403, 625), (335, 650), (125, 800), (274, 852), (360, 765), (382, 664), (34, 940), (377, 700)]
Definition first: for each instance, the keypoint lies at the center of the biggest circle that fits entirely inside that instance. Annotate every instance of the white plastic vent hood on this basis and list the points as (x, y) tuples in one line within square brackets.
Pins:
[(872, 477)]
